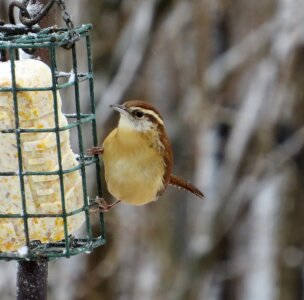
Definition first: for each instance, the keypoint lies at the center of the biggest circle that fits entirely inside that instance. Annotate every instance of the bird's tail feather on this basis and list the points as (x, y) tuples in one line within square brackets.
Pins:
[(181, 183)]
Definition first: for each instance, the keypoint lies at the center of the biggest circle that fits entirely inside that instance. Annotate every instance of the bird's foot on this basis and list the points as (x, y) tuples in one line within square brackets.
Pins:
[(102, 206), (95, 151)]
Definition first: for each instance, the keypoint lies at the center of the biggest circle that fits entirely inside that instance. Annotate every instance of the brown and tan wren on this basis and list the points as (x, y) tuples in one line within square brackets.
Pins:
[(138, 157)]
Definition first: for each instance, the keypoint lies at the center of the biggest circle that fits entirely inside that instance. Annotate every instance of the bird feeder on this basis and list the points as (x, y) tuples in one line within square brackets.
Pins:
[(44, 197)]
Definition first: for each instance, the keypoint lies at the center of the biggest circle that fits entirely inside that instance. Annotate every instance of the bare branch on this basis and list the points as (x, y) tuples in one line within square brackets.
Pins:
[(139, 28)]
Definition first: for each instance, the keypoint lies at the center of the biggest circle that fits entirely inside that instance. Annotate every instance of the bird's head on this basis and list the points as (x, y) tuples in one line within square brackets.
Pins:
[(138, 115)]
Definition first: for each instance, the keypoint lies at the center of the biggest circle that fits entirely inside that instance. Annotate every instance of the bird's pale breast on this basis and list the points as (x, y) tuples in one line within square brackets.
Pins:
[(134, 169)]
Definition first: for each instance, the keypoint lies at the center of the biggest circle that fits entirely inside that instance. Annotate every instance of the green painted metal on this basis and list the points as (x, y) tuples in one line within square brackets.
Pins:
[(52, 39)]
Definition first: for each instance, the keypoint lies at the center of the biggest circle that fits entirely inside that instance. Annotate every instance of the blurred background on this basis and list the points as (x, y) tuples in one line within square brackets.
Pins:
[(228, 79)]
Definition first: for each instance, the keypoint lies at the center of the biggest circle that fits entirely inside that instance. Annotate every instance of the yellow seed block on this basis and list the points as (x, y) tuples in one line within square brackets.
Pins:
[(39, 154)]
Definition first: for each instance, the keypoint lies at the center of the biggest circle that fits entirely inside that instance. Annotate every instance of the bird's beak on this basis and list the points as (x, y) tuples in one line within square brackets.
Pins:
[(119, 107)]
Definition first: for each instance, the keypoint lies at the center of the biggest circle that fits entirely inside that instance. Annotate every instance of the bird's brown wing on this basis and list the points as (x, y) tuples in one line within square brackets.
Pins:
[(166, 152), (183, 184)]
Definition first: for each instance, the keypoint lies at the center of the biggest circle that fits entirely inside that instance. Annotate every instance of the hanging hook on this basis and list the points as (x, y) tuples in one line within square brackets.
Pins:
[(24, 16), (30, 19)]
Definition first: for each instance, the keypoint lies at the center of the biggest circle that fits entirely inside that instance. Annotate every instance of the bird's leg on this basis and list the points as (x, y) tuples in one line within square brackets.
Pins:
[(95, 151), (103, 206)]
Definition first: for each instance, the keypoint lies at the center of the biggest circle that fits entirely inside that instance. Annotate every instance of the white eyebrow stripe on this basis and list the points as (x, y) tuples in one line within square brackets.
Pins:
[(152, 113)]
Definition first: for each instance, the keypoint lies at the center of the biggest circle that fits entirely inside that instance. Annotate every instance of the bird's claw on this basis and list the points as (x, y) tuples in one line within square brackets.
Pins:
[(102, 205), (95, 151)]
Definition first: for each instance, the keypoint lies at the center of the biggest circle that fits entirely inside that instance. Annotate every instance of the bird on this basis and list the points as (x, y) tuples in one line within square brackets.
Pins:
[(138, 157)]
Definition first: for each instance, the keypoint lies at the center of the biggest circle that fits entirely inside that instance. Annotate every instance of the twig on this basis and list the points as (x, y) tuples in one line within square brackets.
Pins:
[(238, 54), (141, 25), (246, 122)]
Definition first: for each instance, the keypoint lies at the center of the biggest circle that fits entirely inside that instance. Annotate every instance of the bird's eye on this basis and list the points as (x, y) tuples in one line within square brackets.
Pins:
[(138, 114)]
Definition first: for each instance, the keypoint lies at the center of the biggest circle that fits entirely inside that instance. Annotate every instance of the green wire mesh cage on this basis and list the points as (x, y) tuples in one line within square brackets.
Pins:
[(37, 188)]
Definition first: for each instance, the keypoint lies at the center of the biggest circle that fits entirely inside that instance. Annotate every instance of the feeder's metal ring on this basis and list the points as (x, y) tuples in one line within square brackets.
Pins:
[(23, 11), (24, 15)]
